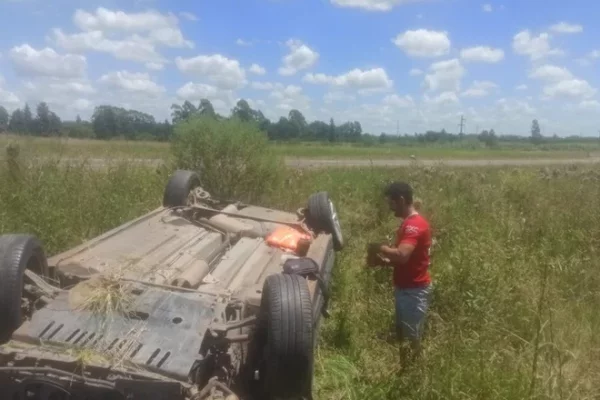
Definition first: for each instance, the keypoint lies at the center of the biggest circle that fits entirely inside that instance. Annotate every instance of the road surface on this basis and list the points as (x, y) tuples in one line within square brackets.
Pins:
[(304, 163)]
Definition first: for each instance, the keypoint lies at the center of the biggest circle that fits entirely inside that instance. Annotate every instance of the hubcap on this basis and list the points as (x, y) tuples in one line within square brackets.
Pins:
[(336, 222)]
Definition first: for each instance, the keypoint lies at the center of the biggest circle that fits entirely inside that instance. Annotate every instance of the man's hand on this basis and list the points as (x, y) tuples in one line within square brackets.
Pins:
[(374, 248), (374, 258)]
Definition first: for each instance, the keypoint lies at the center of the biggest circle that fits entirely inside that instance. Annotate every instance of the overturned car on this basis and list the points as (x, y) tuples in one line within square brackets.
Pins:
[(198, 299)]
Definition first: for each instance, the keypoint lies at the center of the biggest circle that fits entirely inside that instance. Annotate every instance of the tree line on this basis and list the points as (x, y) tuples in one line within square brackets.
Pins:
[(110, 122)]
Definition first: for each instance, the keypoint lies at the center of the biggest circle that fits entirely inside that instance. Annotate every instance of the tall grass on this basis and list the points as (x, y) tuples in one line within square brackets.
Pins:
[(515, 268)]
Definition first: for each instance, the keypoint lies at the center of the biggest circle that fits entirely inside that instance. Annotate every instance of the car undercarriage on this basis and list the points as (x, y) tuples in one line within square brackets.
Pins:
[(198, 299)]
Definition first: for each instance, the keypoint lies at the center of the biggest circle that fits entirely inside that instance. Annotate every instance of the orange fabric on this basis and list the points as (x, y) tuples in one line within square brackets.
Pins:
[(286, 237)]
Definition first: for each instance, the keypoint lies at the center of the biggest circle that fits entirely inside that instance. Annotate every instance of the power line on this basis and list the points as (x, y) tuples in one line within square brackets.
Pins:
[(462, 123)]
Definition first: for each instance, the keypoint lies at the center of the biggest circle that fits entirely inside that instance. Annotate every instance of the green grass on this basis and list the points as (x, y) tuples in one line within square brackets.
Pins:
[(516, 271), (31, 147)]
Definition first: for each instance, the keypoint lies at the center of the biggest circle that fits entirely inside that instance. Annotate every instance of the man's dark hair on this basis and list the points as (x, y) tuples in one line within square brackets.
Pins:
[(395, 190)]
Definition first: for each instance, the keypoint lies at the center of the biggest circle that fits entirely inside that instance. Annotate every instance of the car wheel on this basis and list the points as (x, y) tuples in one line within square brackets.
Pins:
[(286, 338), (178, 188), (17, 253), (322, 216)]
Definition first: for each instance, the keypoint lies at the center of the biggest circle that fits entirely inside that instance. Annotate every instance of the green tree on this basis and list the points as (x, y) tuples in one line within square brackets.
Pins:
[(4, 119), (28, 120), (332, 133), (536, 132), (42, 121), (206, 108), (233, 157), (17, 122), (181, 113)]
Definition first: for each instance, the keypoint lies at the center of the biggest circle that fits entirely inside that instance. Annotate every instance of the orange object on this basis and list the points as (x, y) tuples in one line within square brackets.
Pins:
[(287, 238)]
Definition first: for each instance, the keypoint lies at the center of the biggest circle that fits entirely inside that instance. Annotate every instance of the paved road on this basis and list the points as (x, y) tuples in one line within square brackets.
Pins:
[(320, 163), (325, 163)]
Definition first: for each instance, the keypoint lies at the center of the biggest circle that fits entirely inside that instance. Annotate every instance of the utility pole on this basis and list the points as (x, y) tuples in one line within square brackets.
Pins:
[(462, 124)]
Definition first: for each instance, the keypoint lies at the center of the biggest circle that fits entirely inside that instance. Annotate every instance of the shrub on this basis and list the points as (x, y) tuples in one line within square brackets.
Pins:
[(233, 157)]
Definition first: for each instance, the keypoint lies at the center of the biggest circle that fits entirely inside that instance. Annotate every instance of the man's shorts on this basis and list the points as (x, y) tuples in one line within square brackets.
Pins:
[(411, 308)]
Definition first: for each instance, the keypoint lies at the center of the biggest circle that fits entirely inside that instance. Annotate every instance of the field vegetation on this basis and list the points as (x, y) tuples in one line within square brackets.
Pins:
[(116, 149), (516, 271)]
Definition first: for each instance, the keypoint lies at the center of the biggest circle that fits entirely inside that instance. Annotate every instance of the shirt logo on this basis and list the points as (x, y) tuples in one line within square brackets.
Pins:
[(411, 229)]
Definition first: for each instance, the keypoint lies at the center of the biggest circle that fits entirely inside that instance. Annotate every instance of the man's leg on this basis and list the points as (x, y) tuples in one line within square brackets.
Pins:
[(411, 309)]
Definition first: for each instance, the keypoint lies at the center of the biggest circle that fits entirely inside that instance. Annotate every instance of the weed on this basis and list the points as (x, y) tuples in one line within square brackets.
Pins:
[(515, 268)]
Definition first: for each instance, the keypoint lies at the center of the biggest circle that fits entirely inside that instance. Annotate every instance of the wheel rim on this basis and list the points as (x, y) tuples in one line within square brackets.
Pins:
[(337, 229)]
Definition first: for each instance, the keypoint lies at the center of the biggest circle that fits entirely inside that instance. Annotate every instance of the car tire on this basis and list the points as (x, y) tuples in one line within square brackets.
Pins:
[(322, 216), (18, 252), (286, 338), (178, 188)]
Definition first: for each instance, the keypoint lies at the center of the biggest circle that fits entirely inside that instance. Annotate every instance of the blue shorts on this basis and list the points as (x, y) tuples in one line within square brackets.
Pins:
[(411, 308)]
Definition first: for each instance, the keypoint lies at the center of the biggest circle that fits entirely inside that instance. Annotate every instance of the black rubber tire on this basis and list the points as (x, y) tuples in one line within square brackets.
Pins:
[(320, 218), (18, 252), (178, 188), (286, 326)]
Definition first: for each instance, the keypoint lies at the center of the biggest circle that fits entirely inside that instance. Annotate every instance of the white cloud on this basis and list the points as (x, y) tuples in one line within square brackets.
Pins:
[(47, 62), (257, 69), (154, 66), (521, 87), (290, 97), (8, 98), (372, 5), (415, 72), (594, 54), (487, 8), (189, 16), (423, 43), (536, 47), (265, 85), (570, 88), (551, 73), (242, 42), (139, 82), (396, 101), (479, 89), (590, 105), (444, 98), (332, 97), (484, 54), (225, 73), (299, 58), (119, 21), (365, 81), (72, 87), (196, 91), (445, 76), (133, 48), (160, 28), (565, 27)]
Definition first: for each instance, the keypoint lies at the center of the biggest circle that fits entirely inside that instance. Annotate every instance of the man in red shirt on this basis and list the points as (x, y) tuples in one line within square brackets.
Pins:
[(410, 258)]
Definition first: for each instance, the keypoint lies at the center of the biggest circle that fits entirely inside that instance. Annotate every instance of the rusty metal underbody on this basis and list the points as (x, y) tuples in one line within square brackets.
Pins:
[(190, 275)]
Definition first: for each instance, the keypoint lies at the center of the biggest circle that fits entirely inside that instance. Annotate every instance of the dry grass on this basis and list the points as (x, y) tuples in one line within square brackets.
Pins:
[(516, 271)]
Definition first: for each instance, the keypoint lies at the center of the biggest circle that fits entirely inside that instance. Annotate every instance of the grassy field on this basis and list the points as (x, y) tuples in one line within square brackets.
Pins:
[(119, 149), (515, 308)]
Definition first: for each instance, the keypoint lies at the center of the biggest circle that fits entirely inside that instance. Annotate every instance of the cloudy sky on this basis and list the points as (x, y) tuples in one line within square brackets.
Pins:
[(419, 64)]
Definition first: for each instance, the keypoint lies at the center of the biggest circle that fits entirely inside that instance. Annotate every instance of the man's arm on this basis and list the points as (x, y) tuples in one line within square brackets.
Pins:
[(408, 241), (397, 255)]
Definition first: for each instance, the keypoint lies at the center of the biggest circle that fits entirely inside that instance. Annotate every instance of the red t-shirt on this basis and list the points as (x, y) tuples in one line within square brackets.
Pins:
[(415, 273)]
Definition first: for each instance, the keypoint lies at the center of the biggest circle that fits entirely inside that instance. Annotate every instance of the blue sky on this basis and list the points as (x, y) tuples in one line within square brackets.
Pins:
[(420, 64)]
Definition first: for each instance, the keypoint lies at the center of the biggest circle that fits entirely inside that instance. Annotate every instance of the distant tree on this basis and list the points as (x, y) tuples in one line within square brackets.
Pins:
[(78, 119), (17, 122), (536, 133), (4, 119), (242, 111), (332, 135), (42, 120), (28, 119), (206, 108), (181, 113)]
